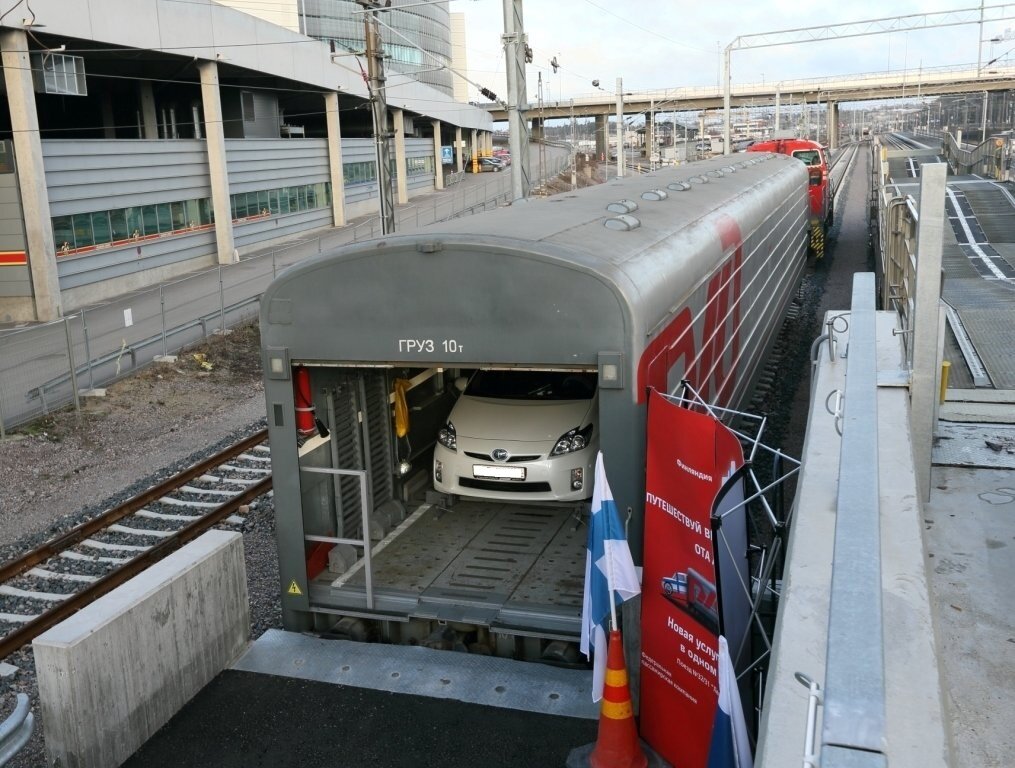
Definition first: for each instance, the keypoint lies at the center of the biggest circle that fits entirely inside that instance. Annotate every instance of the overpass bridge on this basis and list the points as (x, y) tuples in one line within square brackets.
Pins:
[(898, 84)]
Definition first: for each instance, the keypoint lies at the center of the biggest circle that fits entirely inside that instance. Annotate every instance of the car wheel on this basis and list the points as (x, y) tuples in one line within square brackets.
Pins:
[(667, 589)]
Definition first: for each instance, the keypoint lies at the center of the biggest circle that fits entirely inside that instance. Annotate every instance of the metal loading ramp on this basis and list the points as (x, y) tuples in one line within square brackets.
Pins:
[(978, 260), (514, 568)]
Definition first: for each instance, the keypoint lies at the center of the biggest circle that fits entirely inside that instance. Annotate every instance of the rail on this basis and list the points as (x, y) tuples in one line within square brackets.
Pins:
[(32, 628)]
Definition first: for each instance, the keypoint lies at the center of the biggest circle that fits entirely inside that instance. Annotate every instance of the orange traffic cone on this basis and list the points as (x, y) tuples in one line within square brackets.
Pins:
[(617, 745)]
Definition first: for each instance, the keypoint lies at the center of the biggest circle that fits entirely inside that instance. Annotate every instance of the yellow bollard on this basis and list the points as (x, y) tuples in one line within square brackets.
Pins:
[(946, 368)]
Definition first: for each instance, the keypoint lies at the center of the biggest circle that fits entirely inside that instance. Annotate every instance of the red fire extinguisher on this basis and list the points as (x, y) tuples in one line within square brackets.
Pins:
[(305, 423)]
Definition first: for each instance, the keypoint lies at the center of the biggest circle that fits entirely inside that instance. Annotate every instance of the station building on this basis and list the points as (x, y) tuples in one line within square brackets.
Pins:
[(142, 139)]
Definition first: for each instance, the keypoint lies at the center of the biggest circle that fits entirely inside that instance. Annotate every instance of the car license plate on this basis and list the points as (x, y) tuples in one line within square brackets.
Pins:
[(499, 473)]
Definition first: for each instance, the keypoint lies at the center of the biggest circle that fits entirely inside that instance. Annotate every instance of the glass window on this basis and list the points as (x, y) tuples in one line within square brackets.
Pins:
[(294, 199), (262, 201), (207, 213), (150, 220), (165, 215), (808, 156), (283, 200), (100, 227), (193, 212), (302, 191), (273, 201), (179, 213), (311, 196), (135, 222), (63, 231), (83, 230), (118, 221)]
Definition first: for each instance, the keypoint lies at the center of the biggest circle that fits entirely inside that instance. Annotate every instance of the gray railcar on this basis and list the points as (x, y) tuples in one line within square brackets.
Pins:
[(684, 273)]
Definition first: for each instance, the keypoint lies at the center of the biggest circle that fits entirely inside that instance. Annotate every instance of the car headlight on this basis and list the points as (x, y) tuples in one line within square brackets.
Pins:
[(571, 441), (448, 437)]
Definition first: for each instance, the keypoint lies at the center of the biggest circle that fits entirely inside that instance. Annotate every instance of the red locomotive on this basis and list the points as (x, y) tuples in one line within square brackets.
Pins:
[(819, 188)]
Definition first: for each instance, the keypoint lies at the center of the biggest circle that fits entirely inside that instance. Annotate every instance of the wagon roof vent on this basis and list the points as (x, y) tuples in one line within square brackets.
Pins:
[(623, 223), (679, 186), (622, 206), (654, 194)]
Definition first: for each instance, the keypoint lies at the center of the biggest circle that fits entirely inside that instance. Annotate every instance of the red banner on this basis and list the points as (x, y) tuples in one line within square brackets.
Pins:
[(689, 455)]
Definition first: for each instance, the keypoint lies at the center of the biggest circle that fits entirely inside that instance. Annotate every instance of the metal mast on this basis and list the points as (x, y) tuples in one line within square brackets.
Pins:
[(379, 111), (515, 54)]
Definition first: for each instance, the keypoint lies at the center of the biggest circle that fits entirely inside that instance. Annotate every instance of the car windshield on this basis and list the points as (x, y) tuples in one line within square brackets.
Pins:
[(532, 385)]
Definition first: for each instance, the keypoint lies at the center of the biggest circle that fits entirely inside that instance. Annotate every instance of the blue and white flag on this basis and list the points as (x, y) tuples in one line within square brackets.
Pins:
[(609, 573), (731, 747)]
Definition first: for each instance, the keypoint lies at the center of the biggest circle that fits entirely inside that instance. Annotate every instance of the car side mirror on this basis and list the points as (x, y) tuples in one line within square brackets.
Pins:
[(460, 383)]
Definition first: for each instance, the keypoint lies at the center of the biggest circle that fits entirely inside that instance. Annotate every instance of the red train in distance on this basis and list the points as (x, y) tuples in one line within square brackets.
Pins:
[(819, 187)]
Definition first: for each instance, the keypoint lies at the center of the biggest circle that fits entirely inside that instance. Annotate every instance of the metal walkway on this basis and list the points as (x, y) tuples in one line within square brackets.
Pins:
[(979, 281)]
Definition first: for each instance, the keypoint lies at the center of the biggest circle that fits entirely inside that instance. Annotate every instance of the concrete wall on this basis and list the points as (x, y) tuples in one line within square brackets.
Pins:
[(117, 671)]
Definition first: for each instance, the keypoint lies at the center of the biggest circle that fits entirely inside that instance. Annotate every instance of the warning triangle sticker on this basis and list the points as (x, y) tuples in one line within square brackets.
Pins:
[(294, 588)]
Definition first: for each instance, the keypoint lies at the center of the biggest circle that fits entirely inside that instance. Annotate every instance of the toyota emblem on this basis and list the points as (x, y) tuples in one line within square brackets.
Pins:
[(499, 454)]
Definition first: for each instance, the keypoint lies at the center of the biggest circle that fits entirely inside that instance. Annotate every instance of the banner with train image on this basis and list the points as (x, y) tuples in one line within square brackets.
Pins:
[(691, 586)]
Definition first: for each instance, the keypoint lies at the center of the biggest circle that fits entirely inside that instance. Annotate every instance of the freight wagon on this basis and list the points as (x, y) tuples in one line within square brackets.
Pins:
[(639, 283)]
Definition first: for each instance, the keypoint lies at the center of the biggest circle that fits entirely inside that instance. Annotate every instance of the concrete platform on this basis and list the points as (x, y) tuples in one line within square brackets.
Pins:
[(421, 671), (969, 530)]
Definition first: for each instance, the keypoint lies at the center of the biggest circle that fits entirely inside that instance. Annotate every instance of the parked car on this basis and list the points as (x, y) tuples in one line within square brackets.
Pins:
[(490, 164), (503, 156), (520, 436)]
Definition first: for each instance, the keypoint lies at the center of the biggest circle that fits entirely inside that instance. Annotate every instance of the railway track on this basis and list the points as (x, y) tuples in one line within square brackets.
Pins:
[(53, 581), (840, 165)]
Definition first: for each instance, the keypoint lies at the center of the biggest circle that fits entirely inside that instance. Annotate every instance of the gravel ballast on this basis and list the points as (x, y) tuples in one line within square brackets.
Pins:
[(65, 468)]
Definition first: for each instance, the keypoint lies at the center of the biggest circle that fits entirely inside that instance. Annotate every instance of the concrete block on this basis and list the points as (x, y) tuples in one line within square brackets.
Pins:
[(114, 673)]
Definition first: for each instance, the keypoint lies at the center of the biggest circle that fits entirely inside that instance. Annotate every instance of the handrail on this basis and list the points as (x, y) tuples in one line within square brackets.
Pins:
[(365, 542), (987, 158), (16, 730)]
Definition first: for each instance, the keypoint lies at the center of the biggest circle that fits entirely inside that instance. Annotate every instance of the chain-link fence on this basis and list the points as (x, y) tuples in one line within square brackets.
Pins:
[(48, 366), (52, 365)]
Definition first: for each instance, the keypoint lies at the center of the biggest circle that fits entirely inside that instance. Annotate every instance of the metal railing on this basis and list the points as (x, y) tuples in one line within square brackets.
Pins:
[(16, 730), (990, 158)]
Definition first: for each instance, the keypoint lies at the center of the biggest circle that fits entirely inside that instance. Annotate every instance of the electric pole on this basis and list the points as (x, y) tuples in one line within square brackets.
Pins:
[(621, 160), (379, 110), (516, 53)]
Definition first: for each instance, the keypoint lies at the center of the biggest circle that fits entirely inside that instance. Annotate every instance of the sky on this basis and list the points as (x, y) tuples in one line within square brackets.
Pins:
[(658, 44)]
